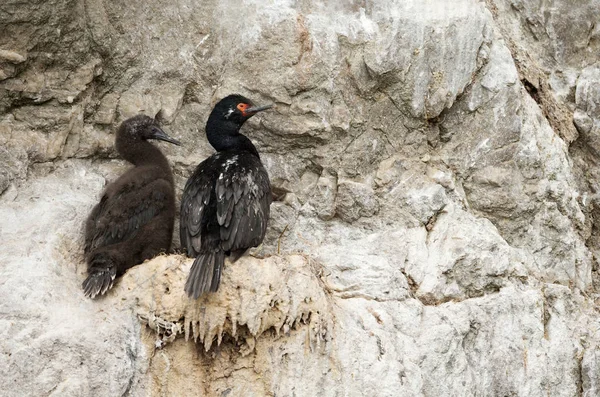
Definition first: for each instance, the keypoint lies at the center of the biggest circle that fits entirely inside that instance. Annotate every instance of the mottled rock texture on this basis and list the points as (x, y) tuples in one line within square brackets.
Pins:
[(437, 171)]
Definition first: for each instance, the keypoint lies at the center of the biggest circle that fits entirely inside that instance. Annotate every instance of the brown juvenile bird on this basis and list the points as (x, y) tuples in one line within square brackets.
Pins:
[(225, 203), (134, 219)]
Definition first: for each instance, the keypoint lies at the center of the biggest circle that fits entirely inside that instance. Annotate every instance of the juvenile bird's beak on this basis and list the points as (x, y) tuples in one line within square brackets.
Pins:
[(256, 109), (159, 134)]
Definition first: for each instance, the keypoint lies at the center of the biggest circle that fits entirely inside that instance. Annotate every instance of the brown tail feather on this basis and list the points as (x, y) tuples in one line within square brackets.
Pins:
[(101, 276)]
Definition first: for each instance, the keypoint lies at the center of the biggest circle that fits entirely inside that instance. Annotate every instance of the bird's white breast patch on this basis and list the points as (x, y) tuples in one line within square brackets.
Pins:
[(229, 162)]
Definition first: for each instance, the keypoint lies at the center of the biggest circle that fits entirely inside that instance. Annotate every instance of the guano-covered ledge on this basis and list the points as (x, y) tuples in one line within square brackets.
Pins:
[(257, 296)]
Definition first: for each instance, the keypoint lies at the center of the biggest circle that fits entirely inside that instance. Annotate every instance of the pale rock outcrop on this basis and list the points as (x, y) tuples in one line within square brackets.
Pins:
[(290, 295), (435, 171)]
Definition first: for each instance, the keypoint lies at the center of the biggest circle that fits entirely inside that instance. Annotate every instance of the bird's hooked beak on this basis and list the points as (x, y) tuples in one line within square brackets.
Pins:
[(255, 109), (159, 134)]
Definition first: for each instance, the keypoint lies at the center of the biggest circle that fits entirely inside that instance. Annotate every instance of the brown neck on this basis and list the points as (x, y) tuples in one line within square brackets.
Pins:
[(141, 153)]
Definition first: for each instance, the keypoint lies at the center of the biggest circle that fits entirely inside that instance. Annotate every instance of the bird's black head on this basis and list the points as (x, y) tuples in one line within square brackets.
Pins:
[(226, 119), (236, 109), (141, 128)]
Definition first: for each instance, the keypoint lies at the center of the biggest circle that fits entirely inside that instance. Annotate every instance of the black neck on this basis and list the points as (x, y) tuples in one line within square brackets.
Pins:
[(225, 135)]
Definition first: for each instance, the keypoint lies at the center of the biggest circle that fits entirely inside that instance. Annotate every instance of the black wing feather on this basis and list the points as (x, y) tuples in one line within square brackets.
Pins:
[(244, 212), (224, 208), (241, 190), (194, 205)]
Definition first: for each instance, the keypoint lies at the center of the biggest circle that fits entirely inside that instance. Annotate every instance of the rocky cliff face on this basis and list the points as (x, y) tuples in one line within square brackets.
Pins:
[(437, 166)]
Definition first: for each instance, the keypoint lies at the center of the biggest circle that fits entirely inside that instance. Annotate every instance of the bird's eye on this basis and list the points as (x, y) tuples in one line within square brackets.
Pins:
[(242, 107)]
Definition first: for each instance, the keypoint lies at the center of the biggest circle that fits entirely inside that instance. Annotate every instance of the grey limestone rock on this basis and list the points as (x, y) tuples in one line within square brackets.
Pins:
[(435, 171)]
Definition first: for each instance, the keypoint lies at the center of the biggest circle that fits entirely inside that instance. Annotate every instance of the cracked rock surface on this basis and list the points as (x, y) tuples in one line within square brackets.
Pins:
[(436, 168)]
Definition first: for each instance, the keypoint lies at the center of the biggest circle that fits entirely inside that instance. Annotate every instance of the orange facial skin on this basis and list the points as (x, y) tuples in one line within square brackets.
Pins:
[(242, 108)]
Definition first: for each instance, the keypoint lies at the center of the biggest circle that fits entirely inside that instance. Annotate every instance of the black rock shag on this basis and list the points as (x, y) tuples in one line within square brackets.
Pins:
[(134, 219), (225, 203)]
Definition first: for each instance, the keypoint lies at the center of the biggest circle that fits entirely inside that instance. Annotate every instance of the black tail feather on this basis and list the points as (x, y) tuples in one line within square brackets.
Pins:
[(205, 274), (237, 254), (101, 276)]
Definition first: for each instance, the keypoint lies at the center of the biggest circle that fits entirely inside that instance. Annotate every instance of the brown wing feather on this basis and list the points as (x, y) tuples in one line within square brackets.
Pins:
[(120, 215)]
